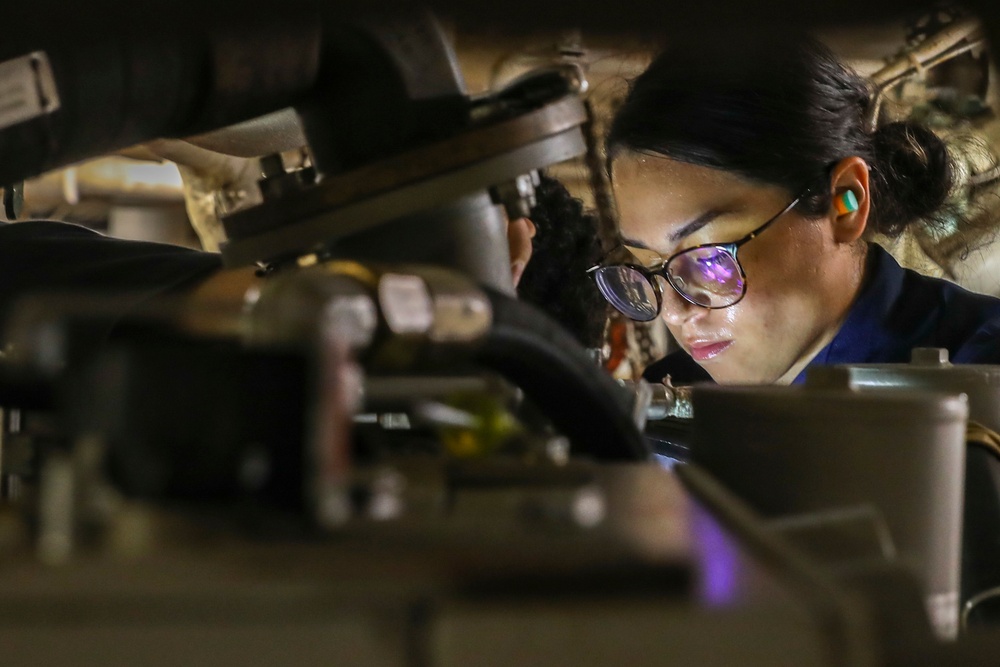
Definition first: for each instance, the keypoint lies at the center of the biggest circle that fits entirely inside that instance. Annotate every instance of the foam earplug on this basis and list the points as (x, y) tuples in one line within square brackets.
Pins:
[(846, 203)]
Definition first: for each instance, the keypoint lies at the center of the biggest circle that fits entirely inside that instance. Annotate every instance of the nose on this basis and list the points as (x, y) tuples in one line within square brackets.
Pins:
[(676, 309)]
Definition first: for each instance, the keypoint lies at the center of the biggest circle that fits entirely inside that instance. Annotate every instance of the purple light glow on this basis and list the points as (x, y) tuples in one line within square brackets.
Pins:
[(716, 268), (720, 561)]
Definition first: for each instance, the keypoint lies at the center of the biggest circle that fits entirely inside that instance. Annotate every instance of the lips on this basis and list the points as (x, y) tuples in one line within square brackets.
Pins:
[(704, 350)]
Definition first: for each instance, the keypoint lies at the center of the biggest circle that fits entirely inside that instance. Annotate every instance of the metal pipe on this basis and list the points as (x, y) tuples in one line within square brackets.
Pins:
[(358, 88), (943, 46), (928, 50), (121, 78)]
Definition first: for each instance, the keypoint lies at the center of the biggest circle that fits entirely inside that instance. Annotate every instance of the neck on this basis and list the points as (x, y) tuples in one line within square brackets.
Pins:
[(858, 277)]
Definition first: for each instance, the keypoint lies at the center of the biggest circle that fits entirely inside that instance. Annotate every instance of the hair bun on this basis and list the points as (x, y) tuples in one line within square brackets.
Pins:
[(911, 176)]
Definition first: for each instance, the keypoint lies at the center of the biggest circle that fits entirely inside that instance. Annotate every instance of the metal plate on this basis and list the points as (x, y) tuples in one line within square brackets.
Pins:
[(319, 228), (462, 151), (27, 89)]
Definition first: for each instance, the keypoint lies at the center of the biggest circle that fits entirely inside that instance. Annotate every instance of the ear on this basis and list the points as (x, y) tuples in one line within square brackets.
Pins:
[(851, 174), (519, 235)]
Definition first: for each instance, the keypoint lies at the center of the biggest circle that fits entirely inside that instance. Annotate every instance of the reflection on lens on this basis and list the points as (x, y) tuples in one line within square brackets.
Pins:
[(708, 276), (628, 291)]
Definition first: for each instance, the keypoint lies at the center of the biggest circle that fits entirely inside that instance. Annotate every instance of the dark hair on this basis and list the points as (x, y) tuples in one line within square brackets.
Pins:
[(781, 111), (564, 247)]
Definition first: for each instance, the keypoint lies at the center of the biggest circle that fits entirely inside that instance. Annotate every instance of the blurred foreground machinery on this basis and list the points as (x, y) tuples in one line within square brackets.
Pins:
[(370, 452)]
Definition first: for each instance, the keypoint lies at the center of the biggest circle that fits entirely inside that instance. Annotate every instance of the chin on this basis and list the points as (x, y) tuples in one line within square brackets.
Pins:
[(727, 374)]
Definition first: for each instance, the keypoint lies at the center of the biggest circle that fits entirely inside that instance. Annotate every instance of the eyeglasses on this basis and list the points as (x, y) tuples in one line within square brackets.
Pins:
[(708, 275)]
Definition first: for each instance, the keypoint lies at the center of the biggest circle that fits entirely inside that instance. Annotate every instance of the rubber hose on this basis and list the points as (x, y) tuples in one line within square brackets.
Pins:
[(529, 348)]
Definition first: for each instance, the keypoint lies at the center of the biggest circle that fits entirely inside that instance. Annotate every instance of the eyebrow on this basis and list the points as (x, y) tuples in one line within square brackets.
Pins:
[(684, 231), (690, 228)]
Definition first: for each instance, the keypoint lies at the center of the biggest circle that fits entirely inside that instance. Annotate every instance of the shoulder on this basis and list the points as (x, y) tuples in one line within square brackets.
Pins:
[(951, 315), (905, 309), (982, 346)]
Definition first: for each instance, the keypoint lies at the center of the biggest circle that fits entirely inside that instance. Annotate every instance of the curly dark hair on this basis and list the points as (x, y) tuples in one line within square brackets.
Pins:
[(564, 247)]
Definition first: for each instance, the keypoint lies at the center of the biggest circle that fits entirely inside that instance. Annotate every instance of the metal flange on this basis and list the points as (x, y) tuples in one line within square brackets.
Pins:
[(411, 182)]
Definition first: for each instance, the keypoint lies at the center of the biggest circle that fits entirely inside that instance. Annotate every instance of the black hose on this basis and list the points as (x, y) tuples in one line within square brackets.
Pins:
[(555, 372)]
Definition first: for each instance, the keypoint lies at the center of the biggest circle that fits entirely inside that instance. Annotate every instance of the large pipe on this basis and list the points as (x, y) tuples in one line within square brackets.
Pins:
[(125, 73), (276, 132)]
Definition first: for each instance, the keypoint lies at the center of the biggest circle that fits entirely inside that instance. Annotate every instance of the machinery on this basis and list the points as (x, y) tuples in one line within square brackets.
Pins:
[(363, 449)]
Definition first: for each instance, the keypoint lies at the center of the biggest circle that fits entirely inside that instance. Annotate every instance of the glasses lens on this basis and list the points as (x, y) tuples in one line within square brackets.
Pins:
[(708, 277), (628, 291)]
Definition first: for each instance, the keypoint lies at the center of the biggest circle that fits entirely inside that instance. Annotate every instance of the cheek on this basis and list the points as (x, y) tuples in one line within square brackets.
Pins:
[(773, 303), (785, 272), (745, 322), (783, 304)]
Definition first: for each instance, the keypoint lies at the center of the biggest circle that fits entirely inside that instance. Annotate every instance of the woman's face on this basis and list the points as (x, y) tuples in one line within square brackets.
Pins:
[(799, 281)]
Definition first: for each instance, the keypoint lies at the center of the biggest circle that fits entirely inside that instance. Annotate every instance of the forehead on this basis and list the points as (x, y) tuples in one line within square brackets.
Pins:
[(654, 182), (636, 169), (657, 196)]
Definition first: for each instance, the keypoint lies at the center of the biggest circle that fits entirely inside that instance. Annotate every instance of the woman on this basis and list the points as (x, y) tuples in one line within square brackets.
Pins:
[(747, 181)]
